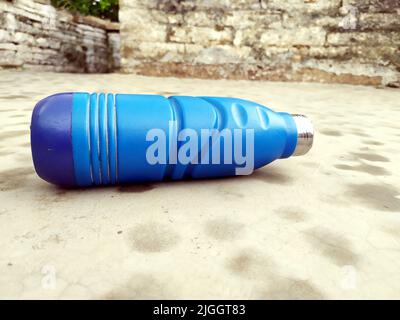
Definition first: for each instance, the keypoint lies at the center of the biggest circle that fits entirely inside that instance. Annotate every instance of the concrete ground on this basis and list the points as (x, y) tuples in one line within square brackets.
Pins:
[(324, 226)]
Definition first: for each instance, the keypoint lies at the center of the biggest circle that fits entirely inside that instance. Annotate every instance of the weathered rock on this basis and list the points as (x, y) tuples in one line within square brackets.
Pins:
[(200, 35), (375, 6), (293, 40), (294, 37), (364, 38), (379, 21), (35, 35), (223, 55)]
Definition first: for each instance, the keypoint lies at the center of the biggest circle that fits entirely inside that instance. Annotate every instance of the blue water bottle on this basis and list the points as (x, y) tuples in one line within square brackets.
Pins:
[(81, 139)]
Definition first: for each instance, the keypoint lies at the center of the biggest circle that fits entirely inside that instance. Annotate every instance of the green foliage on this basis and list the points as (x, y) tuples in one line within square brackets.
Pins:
[(106, 9)]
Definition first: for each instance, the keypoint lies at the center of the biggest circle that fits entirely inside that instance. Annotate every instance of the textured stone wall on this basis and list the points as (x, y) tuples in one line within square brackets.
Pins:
[(353, 41), (35, 35)]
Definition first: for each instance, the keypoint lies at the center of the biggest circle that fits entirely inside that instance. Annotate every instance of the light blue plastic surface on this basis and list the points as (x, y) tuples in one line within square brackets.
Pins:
[(109, 135)]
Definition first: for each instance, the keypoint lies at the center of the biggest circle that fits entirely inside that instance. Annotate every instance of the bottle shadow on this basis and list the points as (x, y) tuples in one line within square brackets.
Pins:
[(269, 175)]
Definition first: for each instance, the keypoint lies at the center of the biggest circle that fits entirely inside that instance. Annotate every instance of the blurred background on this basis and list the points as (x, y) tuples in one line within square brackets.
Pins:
[(333, 41)]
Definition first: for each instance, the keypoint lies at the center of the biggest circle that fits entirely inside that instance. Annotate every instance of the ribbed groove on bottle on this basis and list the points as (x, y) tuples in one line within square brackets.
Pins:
[(116, 139), (219, 111), (220, 123), (94, 138), (103, 139), (178, 119), (112, 143), (263, 117), (89, 139), (98, 137), (239, 115), (106, 137), (107, 140)]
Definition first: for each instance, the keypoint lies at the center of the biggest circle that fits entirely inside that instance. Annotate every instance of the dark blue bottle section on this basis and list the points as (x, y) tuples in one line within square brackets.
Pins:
[(51, 139), (102, 139)]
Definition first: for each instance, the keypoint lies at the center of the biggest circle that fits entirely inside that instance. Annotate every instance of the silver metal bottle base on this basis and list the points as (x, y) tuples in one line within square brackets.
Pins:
[(305, 134)]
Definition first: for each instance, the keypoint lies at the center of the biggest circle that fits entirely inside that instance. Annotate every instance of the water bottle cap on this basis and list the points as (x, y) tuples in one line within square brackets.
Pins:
[(305, 134)]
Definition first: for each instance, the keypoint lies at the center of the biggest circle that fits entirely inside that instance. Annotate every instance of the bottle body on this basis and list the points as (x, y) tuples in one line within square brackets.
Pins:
[(126, 138)]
